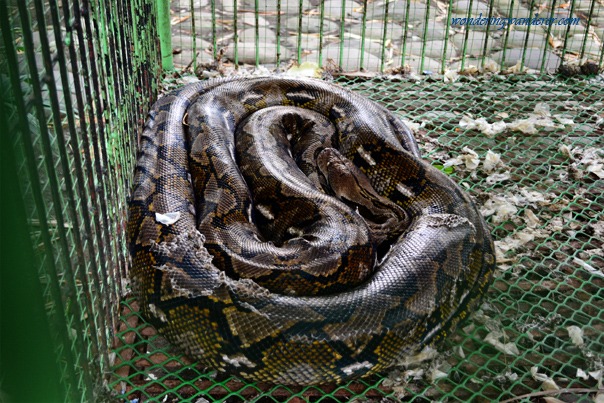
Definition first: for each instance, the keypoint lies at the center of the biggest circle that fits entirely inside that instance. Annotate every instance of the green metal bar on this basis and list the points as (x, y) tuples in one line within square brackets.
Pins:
[(443, 62), (257, 32), (95, 88), (236, 36), (549, 30), (299, 59), (466, 37), (384, 34), (406, 31), (423, 52), (194, 31), (214, 39), (589, 17), (165, 34), (526, 38), (278, 35), (600, 63), (488, 38), (506, 36), (114, 79), (342, 16), (322, 16), (363, 28)]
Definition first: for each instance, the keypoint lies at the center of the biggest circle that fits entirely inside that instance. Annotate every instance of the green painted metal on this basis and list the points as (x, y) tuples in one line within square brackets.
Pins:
[(165, 33)]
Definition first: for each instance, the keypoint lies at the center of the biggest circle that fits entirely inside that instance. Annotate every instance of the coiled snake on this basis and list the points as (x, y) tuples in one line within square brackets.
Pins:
[(286, 230)]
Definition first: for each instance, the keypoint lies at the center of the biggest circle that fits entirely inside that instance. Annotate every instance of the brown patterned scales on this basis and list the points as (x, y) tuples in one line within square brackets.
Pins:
[(287, 230)]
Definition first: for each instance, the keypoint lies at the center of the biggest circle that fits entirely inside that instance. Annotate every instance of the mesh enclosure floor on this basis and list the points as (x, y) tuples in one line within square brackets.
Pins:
[(530, 150)]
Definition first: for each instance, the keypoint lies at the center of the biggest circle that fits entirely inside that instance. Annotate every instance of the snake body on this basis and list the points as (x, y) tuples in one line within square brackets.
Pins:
[(287, 230)]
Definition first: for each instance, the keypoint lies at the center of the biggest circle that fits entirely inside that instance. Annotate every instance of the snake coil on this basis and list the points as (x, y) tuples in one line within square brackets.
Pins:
[(286, 230)]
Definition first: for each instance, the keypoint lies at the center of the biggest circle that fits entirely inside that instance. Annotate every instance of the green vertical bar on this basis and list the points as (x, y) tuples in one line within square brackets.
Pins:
[(300, 15), (487, 36), (322, 17), (194, 30), (257, 32), (406, 31), (465, 39), (342, 31), (363, 28), (384, 36), (165, 33), (586, 35), (236, 37), (424, 38), (443, 62), (214, 40), (506, 37), (278, 35), (547, 35)]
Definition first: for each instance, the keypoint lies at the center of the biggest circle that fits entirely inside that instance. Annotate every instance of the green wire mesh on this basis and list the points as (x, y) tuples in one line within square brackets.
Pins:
[(385, 36), (545, 207), (79, 76), (76, 80)]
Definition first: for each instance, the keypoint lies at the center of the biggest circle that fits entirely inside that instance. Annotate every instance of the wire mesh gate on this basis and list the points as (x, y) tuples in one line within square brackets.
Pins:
[(79, 76)]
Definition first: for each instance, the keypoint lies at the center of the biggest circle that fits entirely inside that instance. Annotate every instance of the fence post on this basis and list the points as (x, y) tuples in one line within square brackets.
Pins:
[(165, 33)]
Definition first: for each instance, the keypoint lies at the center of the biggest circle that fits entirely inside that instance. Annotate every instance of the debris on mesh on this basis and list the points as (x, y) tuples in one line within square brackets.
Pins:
[(576, 335), (500, 207), (518, 68), (584, 265), (305, 69), (469, 158), (492, 161), (413, 126), (591, 160), (498, 177), (531, 220), (450, 76), (539, 120), (429, 365), (482, 125), (504, 206), (481, 316), (497, 170), (515, 241), (547, 383), (494, 339)]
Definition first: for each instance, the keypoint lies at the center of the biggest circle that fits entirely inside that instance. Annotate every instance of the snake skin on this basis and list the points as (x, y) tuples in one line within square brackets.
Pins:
[(334, 269)]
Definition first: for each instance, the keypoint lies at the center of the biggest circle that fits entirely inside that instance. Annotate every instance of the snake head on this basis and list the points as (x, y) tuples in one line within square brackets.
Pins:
[(385, 219)]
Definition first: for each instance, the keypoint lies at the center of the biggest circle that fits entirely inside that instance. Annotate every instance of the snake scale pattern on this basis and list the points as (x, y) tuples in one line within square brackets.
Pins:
[(287, 230)]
